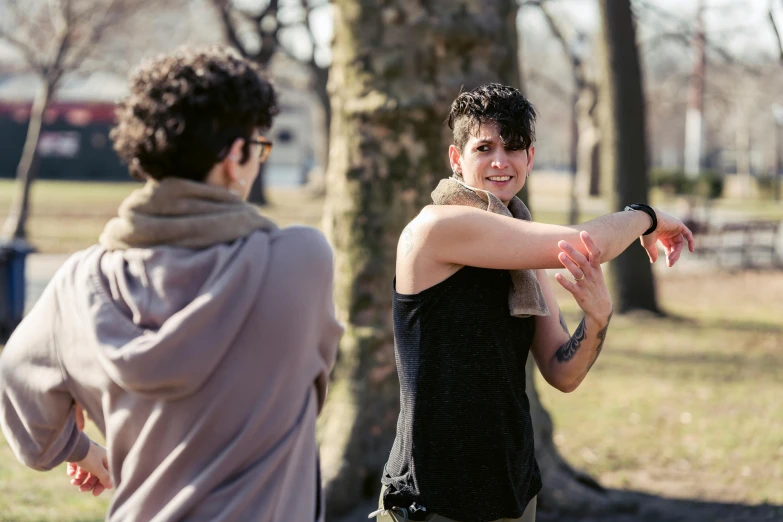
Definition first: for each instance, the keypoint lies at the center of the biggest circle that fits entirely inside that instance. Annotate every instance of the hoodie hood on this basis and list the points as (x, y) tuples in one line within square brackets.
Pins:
[(165, 317)]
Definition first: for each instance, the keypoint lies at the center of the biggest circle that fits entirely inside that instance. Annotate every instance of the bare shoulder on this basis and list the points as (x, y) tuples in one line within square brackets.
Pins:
[(417, 265), (417, 231)]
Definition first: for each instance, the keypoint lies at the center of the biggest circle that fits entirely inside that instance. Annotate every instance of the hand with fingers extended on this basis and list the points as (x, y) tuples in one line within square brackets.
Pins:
[(588, 287), (92, 472), (672, 234)]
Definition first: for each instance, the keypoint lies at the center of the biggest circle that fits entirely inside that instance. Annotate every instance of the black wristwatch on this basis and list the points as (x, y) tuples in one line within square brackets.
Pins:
[(647, 209)]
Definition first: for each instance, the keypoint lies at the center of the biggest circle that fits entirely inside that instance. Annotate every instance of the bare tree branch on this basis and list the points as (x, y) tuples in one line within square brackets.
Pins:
[(577, 64), (552, 85), (229, 28), (775, 29), (101, 21), (28, 53), (62, 19), (555, 27), (684, 34), (268, 38)]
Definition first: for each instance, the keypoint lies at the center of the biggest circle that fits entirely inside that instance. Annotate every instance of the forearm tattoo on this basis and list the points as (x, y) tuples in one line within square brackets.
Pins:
[(563, 323), (567, 352), (601, 339)]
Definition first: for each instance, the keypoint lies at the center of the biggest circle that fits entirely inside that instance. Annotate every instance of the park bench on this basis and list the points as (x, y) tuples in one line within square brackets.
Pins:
[(744, 244)]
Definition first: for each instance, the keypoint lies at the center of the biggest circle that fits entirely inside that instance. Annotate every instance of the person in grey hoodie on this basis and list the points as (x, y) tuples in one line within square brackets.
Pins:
[(196, 335)]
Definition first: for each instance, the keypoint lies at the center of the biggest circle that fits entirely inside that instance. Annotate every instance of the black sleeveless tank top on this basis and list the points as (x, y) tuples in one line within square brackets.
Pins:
[(464, 443)]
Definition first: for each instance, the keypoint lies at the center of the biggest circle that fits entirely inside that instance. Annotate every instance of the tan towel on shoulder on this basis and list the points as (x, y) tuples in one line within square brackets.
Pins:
[(181, 213), (525, 297)]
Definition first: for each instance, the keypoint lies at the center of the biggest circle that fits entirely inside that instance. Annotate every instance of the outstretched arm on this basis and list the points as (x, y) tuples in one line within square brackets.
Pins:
[(462, 235)]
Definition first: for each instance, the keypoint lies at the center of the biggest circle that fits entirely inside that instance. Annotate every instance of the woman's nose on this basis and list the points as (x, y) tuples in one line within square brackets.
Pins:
[(500, 161)]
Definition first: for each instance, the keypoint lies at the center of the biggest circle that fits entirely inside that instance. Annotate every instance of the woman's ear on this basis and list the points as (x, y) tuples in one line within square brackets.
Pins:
[(531, 156), (454, 159)]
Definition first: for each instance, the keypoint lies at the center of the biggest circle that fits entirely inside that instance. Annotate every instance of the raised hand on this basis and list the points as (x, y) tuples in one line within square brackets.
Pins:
[(672, 234), (588, 288)]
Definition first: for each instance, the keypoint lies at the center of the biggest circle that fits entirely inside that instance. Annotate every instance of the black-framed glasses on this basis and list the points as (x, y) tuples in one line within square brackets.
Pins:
[(264, 148)]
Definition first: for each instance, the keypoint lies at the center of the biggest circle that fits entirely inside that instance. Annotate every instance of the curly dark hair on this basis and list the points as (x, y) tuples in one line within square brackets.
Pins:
[(185, 109), (494, 103)]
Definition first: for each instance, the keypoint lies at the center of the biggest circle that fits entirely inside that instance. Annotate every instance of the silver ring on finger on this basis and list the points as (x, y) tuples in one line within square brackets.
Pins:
[(577, 279)]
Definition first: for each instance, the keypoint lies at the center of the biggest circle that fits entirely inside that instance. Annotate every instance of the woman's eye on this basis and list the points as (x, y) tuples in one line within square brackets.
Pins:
[(483, 148)]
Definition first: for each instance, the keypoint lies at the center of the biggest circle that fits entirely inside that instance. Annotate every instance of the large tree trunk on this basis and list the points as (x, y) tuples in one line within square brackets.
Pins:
[(624, 151), (395, 71), (16, 223)]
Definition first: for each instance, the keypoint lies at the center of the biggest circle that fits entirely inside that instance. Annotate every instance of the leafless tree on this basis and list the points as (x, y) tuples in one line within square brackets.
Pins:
[(624, 147), (257, 32), (583, 97), (775, 29), (54, 38)]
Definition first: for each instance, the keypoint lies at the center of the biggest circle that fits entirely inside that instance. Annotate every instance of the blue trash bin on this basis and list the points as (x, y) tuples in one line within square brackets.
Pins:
[(13, 256)]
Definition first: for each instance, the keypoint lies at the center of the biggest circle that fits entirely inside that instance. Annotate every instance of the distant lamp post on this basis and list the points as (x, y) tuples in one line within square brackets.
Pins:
[(777, 112)]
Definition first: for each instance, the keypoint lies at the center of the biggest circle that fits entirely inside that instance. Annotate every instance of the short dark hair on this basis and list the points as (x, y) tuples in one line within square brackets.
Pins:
[(494, 103), (185, 109)]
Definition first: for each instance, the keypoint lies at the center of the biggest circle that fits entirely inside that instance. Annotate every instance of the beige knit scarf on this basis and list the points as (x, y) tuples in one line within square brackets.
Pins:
[(181, 213), (525, 297)]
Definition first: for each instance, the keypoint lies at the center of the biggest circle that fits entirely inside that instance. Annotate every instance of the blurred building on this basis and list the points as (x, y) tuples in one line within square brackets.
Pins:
[(75, 142)]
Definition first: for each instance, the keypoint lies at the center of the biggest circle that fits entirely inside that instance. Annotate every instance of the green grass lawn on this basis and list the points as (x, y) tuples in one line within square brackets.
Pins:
[(688, 406), (33, 496), (67, 216)]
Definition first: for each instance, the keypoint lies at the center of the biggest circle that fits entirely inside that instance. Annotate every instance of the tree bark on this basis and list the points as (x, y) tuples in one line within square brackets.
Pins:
[(624, 150), (16, 224)]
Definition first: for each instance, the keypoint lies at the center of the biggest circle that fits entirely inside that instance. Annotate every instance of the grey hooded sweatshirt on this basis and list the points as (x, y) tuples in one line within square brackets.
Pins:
[(205, 370)]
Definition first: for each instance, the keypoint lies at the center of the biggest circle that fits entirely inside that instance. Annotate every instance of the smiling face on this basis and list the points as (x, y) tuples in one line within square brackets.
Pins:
[(486, 163)]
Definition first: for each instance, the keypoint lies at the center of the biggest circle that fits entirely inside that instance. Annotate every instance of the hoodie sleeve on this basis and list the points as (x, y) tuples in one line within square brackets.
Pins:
[(36, 408)]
